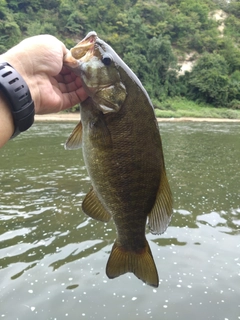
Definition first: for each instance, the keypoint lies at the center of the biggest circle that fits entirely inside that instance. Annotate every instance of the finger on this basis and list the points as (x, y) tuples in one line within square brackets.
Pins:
[(75, 98), (82, 95), (65, 70), (68, 83), (68, 77)]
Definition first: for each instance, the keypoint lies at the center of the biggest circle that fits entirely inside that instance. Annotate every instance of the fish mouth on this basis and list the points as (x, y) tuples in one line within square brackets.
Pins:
[(85, 46), (82, 52)]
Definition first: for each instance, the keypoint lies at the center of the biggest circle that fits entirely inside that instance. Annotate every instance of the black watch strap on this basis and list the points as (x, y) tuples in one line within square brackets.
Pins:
[(18, 97)]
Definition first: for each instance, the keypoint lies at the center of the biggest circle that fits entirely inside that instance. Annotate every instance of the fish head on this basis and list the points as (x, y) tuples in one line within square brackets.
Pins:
[(95, 62)]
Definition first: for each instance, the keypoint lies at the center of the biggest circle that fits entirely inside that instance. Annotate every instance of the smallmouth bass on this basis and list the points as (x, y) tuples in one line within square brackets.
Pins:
[(122, 150)]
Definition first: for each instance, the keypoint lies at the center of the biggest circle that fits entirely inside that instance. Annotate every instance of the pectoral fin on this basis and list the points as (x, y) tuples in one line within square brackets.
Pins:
[(160, 215), (93, 207), (75, 139), (99, 133)]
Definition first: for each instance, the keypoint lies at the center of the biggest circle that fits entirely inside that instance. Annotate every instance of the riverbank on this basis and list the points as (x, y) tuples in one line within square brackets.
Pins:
[(76, 116), (179, 107)]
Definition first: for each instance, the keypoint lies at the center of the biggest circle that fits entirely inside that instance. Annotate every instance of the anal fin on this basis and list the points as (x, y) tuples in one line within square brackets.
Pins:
[(93, 207), (160, 216)]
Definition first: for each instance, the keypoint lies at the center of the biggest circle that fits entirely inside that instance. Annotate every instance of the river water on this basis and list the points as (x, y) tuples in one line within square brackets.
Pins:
[(53, 257)]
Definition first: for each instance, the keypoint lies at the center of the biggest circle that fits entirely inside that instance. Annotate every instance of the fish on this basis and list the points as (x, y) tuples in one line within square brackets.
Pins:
[(122, 150)]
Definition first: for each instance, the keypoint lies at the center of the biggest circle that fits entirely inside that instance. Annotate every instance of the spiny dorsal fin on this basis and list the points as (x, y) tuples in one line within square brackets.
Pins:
[(141, 264), (93, 207), (75, 139), (161, 213)]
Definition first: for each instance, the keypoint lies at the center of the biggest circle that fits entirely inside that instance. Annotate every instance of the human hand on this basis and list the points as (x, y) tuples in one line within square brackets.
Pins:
[(39, 60)]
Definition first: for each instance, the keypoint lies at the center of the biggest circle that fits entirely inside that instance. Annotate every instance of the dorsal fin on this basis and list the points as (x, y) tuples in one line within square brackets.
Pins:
[(161, 213), (93, 207)]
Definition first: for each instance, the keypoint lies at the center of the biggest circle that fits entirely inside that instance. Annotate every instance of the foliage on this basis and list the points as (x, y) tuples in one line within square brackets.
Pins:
[(208, 81), (233, 7), (231, 53), (181, 107), (149, 36), (232, 29)]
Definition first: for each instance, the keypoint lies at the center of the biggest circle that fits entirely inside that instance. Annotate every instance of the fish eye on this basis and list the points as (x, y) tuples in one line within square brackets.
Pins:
[(106, 60)]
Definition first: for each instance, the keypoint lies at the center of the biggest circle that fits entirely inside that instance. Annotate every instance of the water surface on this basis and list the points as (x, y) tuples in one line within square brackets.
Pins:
[(53, 257)]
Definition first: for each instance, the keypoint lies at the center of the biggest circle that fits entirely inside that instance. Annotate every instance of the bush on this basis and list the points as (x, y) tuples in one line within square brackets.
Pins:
[(234, 104), (208, 81)]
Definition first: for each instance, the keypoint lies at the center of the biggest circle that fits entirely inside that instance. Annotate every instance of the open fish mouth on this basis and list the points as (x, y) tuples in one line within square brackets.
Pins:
[(84, 49), (82, 52)]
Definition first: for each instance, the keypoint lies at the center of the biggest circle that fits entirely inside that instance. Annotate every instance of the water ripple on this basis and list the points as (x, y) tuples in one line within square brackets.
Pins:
[(53, 257)]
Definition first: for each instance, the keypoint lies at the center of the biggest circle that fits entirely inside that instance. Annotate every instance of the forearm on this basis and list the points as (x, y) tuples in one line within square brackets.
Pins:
[(6, 121)]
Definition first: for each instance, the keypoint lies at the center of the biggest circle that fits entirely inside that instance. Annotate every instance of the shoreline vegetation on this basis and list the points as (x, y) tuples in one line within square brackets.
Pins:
[(185, 52), (181, 107), (172, 109), (58, 117)]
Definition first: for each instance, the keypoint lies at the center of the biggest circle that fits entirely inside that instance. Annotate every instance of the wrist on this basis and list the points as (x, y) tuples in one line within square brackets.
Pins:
[(6, 121), (22, 66), (18, 98)]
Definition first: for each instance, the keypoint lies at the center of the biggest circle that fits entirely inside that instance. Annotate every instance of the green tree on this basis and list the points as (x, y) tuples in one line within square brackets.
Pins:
[(228, 49), (3, 8), (148, 35), (24, 5), (234, 90), (10, 31), (233, 7), (232, 28), (208, 81), (161, 63)]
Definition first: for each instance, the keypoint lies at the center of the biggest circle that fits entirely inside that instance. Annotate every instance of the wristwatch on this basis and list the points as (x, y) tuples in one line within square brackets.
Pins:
[(18, 97)]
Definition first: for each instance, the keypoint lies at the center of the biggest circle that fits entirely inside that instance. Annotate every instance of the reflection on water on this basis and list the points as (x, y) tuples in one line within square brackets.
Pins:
[(53, 257)]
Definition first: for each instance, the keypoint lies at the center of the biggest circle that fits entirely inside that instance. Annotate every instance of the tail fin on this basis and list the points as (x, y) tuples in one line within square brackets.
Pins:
[(141, 264)]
